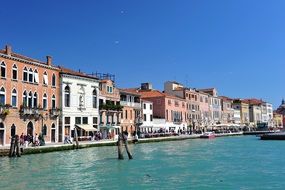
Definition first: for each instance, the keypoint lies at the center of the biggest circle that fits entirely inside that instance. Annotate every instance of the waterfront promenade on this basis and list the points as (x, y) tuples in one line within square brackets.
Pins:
[(4, 151)]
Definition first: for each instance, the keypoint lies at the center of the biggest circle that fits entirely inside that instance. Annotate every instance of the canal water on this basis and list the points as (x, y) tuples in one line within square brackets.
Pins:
[(223, 163)]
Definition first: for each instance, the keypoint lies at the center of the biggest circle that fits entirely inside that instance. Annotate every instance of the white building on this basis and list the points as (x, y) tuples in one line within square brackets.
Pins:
[(80, 103), (267, 113), (147, 116)]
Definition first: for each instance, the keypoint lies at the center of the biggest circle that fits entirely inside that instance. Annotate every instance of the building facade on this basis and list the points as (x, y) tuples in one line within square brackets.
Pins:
[(131, 116), (227, 110), (243, 107), (110, 108), (29, 97), (147, 116), (80, 104)]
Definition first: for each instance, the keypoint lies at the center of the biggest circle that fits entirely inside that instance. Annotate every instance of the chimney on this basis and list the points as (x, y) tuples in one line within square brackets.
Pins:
[(8, 50), (49, 60)]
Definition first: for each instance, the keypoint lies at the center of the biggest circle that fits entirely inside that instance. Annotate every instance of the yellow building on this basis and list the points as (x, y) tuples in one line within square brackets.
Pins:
[(277, 120), (243, 106)]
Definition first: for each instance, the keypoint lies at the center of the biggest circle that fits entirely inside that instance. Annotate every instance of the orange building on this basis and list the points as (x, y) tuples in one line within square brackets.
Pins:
[(29, 97)]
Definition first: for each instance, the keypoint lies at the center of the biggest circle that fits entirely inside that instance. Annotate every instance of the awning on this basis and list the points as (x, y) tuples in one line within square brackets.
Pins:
[(87, 127), (146, 126)]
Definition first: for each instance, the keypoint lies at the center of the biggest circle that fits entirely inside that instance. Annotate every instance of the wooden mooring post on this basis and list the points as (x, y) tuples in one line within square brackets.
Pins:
[(122, 139), (15, 147), (76, 138)]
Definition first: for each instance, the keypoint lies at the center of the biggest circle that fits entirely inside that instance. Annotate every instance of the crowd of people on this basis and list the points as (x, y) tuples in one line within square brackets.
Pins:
[(29, 140)]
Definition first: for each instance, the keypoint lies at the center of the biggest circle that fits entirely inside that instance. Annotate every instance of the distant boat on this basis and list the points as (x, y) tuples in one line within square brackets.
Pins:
[(208, 135)]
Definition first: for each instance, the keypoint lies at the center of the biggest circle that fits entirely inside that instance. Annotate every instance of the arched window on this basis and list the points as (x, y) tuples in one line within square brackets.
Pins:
[(67, 96), (94, 98), (15, 72), (44, 130), (53, 80), (45, 102), (30, 100), (25, 99), (81, 95), (2, 96), (3, 70), (13, 130), (45, 78), (31, 75), (35, 100), (53, 101), (36, 76), (25, 74), (14, 98)]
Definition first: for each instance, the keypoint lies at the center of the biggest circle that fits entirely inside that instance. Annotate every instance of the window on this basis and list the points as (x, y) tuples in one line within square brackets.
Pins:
[(53, 102), (67, 126), (144, 117), (14, 98), (35, 100), (131, 114), (13, 130), (78, 120), (126, 114), (2, 96), (15, 72), (25, 74), (81, 96), (36, 76), (67, 96), (144, 106), (169, 102), (53, 80), (85, 120), (151, 117), (30, 99), (94, 95), (25, 97), (44, 130), (95, 122), (45, 102), (3, 70), (150, 106), (45, 78), (201, 99), (31, 75)]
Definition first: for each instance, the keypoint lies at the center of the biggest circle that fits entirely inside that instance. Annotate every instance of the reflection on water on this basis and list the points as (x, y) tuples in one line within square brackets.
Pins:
[(222, 163)]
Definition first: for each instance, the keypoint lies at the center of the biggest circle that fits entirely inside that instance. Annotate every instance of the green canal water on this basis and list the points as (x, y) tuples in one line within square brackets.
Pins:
[(223, 163)]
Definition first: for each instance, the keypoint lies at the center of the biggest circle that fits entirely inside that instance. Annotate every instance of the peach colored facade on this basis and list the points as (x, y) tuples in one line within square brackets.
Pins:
[(31, 87), (205, 115), (131, 111)]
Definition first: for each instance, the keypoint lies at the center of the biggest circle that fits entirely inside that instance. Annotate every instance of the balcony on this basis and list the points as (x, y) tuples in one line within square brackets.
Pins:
[(54, 112), (138, 121), (135, 105), (177, 121), (110, 107), (29, 111), (4, 110)]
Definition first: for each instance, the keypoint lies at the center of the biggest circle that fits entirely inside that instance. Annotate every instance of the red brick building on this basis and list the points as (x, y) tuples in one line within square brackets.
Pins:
[(29, 97)]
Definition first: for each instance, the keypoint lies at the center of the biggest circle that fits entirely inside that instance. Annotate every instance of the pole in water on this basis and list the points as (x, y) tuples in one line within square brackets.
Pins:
[(17, 143), (12, 147), (127, 147), (76, 138), (120, 151)]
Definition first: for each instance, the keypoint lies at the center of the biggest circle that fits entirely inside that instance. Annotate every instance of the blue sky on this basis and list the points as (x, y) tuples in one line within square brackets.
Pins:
[(236, 46)]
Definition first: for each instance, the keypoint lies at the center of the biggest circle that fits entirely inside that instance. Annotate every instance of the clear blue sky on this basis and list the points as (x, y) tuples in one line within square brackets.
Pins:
[(236, 46)]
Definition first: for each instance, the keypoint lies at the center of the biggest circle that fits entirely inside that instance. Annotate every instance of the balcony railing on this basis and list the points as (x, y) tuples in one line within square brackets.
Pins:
[(135, 105), (29, 111), (54, 112)]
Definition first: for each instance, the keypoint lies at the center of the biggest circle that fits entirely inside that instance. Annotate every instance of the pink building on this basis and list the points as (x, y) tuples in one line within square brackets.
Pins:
[(171, 108)]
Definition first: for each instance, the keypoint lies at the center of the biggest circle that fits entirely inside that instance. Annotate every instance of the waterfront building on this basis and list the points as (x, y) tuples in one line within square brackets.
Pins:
[(192, 102), (267, 113), (243, 107), (80, 104), (205, 115), (227, 110), (147, 116), (29, 97), (254, 111), (277, 120), (110, 110), (237, 116), (131, 114), (166, 108), (214, 104), (281, 110)]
